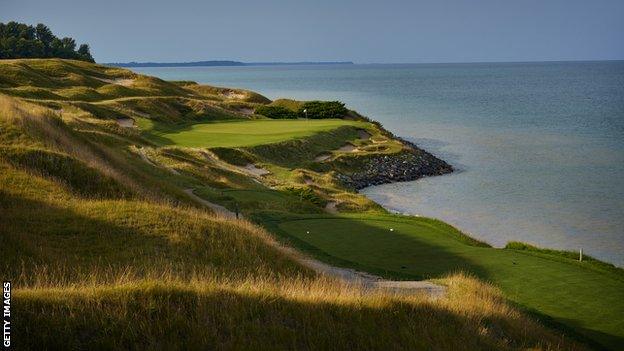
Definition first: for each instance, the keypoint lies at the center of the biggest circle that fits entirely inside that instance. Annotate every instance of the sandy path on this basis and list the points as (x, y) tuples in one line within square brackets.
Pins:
[(368, 281), (145, 158), (218, 209)]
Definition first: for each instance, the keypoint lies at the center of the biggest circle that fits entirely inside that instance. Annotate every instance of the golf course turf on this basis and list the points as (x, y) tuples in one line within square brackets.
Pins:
[(237, 133), (586, 298)]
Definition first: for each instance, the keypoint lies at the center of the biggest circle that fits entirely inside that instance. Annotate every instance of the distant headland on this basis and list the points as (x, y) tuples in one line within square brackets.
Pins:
[(222, 63)]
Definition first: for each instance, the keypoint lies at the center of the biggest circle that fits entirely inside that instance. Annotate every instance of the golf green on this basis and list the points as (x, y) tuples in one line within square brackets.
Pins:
[(237, 133)]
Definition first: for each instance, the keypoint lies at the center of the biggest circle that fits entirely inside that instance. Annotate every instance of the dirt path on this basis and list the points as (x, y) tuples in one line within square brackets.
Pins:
[(218, 209)]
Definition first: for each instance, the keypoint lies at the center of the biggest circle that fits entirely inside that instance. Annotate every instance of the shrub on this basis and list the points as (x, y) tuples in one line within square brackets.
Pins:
[(305, 194), (276, 112), (290, 104), (323, 109)]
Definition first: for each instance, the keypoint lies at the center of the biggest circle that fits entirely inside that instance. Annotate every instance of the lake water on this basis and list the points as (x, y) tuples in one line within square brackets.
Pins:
[(539, 147)]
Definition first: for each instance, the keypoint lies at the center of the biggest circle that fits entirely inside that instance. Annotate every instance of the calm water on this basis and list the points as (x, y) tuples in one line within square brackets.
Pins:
[(539, 146)]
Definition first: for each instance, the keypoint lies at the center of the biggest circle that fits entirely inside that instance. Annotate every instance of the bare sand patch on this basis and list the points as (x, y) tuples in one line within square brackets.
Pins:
[(255, 170), (126, 82), (234, 95), (125, 122), (217, 209), (347, 148), (322, 157), (363, 135), (331, 207)]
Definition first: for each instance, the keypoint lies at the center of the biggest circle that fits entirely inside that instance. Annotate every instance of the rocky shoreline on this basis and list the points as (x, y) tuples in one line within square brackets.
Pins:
[(411, 164)]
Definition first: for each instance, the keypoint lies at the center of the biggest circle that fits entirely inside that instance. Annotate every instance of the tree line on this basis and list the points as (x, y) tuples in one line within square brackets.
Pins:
[(19, 40)]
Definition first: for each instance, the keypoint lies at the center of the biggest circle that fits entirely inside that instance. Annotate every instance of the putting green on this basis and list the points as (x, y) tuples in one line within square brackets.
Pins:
[(237, 133), (585, 298)]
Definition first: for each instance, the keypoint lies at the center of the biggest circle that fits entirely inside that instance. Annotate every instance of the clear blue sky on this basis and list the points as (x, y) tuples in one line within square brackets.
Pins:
[(362, 31)]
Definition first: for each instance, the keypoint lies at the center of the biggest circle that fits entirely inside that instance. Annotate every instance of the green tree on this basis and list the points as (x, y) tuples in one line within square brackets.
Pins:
[(45, 36), (85, 53), (19, 40)]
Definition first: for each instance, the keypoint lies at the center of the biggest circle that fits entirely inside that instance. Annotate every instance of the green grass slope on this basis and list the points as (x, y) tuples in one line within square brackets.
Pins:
[(239, 133), (586, 297)]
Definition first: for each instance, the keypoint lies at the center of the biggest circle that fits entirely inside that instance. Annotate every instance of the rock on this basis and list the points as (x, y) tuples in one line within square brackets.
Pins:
[(407, 165)]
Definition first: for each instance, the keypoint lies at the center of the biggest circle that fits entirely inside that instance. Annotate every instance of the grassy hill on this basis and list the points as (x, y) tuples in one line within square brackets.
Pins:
[(106, 249)]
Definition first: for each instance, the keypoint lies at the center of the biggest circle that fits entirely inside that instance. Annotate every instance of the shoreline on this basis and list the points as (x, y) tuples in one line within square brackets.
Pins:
[(526, 246)]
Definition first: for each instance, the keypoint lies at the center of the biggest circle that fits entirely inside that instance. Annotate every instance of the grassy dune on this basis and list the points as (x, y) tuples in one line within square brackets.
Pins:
[(106, 250)]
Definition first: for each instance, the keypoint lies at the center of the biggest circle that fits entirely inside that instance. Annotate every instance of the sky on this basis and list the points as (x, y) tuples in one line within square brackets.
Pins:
[(363, 31)]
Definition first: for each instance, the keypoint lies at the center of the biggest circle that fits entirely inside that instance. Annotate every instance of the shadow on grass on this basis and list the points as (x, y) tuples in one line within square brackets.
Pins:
[(597, 340), (353, 243), (417, 259), (107, 239), (159, 316)]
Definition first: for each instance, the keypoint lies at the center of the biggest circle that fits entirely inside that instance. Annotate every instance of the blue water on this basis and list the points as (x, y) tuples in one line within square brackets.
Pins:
[(539, 146)]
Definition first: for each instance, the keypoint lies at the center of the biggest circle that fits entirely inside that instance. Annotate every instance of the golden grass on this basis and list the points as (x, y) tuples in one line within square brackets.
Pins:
[(289, 314)]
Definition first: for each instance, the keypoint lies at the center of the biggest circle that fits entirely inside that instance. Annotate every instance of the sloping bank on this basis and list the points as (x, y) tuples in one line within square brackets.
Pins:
[(355, 170)]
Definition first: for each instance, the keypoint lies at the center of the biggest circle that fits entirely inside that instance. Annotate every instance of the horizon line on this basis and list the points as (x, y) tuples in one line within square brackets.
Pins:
[(231, 63)]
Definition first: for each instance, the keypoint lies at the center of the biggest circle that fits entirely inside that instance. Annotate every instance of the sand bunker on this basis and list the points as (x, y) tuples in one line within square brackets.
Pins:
[(331, 207), (257, 171), (363, 135), (234, 95), (321, 158), (347, 148), (119, 81), (125, 122)]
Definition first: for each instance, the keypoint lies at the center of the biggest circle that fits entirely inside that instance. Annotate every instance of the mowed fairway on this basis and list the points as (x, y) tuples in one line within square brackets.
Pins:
[(237, 133), (587, 299)]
